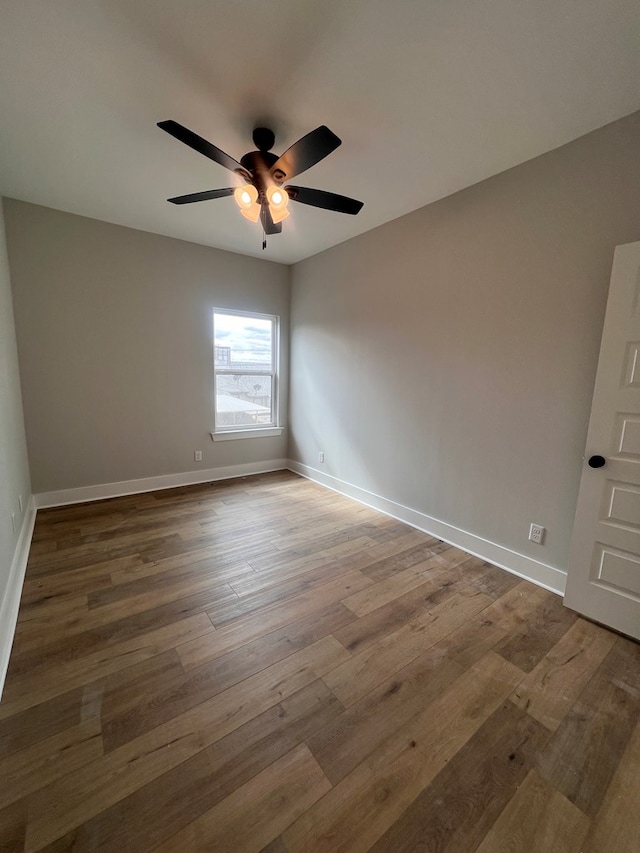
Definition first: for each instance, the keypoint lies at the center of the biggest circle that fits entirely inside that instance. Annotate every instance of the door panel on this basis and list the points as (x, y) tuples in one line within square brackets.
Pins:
[(627, 437), (604, 564)]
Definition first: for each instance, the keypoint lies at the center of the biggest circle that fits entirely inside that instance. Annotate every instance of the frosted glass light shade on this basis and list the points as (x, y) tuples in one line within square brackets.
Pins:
[(279, 215), (246, 196), (278, 198), (252, 213)]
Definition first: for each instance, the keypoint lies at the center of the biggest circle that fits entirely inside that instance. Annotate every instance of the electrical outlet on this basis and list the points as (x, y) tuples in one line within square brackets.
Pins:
[(321, 456), (197, 455), (536, 534)]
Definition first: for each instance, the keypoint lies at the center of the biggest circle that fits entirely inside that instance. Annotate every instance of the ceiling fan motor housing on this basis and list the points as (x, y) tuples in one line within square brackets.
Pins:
[(258, 164)]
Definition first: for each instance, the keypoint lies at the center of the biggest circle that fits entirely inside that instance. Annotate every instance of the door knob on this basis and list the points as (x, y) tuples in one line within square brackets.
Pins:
[(597, 462)]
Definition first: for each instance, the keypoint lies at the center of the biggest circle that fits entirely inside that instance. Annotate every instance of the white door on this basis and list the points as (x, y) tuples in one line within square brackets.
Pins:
[(604, 564)]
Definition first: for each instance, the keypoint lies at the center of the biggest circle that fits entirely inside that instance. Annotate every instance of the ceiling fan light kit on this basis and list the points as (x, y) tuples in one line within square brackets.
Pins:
[(246, 197), (252, 214), (263, 196), (277, 197), (247, 200), (279, 215)]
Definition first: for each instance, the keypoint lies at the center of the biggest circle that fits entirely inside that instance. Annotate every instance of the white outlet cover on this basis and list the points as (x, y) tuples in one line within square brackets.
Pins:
[(536, 533)]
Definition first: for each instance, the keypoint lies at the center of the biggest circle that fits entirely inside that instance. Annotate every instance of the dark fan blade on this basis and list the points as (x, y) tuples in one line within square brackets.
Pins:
[(203, 196), (320, 198), (270, 227), (199, 144), (306, 152)]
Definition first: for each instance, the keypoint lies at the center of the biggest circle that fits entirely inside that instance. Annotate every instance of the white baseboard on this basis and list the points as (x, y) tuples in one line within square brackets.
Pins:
[(518, 564), (83, 494), (10, 601)]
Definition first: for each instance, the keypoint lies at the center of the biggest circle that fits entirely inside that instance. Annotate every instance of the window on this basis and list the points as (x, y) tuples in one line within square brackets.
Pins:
[(245, 348)]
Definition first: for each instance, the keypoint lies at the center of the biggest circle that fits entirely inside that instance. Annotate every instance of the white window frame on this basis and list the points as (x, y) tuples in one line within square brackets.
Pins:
[(236, 431)]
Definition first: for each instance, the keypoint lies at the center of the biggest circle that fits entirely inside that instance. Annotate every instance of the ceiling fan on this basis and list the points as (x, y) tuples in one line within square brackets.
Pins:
[(263, 195)]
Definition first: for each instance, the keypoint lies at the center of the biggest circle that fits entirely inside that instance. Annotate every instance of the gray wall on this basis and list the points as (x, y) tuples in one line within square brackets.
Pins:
[(115, 342), (14, 467), (446, 360)]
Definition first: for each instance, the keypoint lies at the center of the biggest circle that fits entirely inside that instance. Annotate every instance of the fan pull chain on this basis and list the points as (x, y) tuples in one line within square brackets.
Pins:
[(264, 240)]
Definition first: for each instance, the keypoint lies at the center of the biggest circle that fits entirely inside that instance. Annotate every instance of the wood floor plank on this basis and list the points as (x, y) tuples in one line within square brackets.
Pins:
[(113, 693), (71, 801), (586, 749), (381, 552), (136, 546), (416, 551), (84, 570), (63, 584), (374, 626), (164, 806), (225, 568), (370, 667), (538, 819), (553, 686), (287, 567), (50, 759), (276, 593), (276, 846), (360, 729), (35, 620), (386, 590), (24, 692), (538, 634), (461, 804), (13, 827), (133, 711), (266, 558), (258, 812), (495, 582), (617, 825), (21, 731), (275, 616), (322, 531), (83, 619), (497, 622), (75, 645), (177, 583), (194, 549), (109, 602), (357, 811), (131, 531)]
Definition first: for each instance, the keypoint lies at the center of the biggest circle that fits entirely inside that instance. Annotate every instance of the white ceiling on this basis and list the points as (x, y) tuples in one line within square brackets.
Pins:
[(428, 96)]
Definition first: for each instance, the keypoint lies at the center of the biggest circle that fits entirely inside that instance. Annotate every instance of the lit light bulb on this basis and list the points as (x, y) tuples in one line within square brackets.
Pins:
[(278, 199), (245, 197)]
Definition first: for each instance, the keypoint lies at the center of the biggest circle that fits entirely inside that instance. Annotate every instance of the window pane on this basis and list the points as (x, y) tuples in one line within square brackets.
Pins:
[(244, 399), (243, 343)]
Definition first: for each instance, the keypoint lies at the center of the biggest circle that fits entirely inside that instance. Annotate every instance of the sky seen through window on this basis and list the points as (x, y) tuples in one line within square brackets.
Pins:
[(249, 338)]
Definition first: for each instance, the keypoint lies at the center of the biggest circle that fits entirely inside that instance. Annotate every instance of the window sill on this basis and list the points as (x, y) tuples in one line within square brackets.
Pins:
[(232, 435)]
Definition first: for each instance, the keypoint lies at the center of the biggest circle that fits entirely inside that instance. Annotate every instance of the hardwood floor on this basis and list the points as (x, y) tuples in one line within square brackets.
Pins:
[(263, 666)]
